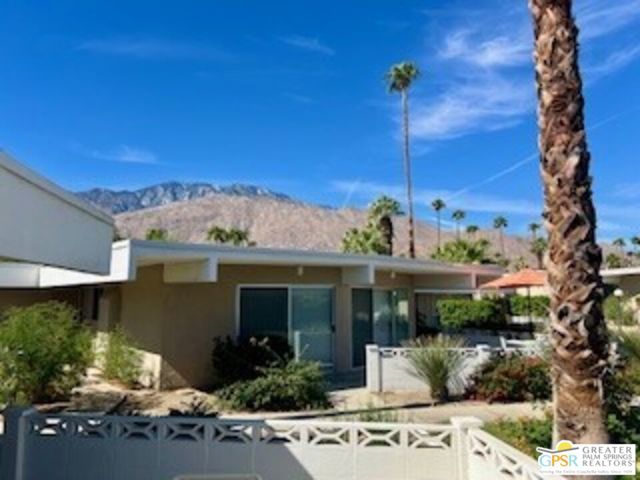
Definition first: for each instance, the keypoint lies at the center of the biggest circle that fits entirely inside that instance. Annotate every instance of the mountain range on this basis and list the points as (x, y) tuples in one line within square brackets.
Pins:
[(273, 219), (114, 202)]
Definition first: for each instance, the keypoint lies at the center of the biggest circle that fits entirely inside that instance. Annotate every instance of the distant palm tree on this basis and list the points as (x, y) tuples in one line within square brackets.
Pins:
[(381, 212), (578, 332), (458, 216), (238, 237), (533, 228), (500, 223), (399, 79), (538, 248), (233, 236), (472, 230), (635, 241), (620, 243), (217, 234), (157, 234), (438, 205)]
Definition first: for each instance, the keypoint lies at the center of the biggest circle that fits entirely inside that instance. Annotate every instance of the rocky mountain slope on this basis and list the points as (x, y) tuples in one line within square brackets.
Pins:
[(115, 202), (278, 221)]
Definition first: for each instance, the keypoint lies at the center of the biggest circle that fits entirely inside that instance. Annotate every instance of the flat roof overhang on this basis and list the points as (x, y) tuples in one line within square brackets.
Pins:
[(40, 223), (197, 263)]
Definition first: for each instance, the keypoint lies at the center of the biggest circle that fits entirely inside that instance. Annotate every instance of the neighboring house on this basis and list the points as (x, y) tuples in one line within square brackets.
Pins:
[(174, 299), (42, 223)]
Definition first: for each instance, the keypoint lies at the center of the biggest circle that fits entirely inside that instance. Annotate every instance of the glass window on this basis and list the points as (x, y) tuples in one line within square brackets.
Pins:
[(264, 312), (312, 323), (361, 323), (380, 317)]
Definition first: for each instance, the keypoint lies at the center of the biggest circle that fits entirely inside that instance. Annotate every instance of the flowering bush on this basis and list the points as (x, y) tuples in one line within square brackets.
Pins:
[(512, 378)]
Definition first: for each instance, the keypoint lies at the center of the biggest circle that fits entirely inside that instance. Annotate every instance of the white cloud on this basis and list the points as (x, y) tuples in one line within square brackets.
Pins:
[(613, 63), (597, 18), (308, 43), (124, 154), (627, 191), (488, 72), (496, 51), (152, 48), (296, 97), (484, 103)]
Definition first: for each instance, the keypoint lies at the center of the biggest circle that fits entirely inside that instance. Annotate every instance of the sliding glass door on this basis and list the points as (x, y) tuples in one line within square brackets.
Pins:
[(361, 323), (264, 312), (311, 332), (380, 317), (302, 315)]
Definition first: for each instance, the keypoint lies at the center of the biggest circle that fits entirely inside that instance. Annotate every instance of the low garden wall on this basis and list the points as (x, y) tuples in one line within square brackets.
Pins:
[(388, 368), (57, 447)]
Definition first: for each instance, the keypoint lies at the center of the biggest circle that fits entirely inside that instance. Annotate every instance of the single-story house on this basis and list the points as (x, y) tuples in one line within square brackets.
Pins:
[(174, 299), (44, 224)]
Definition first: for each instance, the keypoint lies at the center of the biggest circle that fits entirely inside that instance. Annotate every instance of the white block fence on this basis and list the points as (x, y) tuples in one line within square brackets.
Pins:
[(388, 368), (80, 447)]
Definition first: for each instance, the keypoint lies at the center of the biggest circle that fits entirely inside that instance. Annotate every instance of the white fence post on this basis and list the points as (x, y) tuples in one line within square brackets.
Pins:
[(373, 366), (14, 439), (462, 425)]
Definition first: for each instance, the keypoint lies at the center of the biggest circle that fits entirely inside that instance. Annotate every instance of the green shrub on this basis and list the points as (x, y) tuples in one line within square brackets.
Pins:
[(121, 360), (525, 434), (44, 352), (297, 385), (623, 421), (465, 313), (377, 415), (616, 310), (438, 362), (521, 305), (512, 378), (244, 360)]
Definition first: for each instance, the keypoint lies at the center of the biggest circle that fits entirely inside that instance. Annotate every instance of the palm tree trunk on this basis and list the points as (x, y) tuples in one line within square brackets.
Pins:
[(438, 215), (578, 331), (502, 243), (407, 171)]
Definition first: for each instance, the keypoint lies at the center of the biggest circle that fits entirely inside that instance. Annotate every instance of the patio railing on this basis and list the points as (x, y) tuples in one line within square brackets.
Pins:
[(388, 368), (56, 447)]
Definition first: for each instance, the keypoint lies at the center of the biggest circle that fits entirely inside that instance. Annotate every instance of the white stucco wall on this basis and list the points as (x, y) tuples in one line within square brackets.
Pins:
[(41, 223)]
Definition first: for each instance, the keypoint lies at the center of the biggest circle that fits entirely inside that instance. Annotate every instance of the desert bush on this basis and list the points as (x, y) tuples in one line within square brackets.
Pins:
[(617, 311), (623, 420), (438, 362), (521, 305), (525, 434), (121, 360), (44, 352), (296, 385), (375, 414), (512, 378), (466, 313), (244, 360)]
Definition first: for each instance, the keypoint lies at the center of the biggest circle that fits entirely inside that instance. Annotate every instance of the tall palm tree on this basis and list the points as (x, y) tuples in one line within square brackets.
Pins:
[(500, 223), (578, 331), (458, 216), (381, 212), (399, 79), (472, 230), (438, 205), (533, 228)]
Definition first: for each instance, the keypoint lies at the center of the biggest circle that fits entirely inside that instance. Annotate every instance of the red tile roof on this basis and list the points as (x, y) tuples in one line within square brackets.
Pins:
[(524, 278)]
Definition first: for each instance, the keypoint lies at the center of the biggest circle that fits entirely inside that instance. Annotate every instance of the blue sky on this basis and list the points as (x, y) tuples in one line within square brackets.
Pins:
[(290, 95)]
